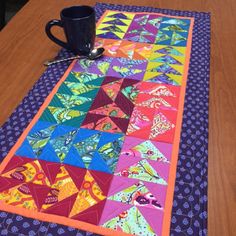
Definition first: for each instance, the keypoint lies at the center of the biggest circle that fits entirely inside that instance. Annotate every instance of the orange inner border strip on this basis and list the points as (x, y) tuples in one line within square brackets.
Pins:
[(172, 172)]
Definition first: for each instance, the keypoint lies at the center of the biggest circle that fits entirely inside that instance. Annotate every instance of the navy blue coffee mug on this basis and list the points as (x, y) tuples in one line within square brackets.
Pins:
[(79, 26)]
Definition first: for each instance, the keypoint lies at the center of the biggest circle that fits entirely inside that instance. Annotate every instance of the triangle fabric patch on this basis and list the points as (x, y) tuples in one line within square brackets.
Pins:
[(160, 125), (137, 195), (143, 171), (115, 22), (119, 16), (102, 179), (62, 188), (89, 195), (91, 215), (70, 101), (19, 196), (145, 150), (39, 139), (63, 207), (62, 114), (62, 144), (169, 51), (166, 69), (177, 38), (87, 148), (39, 193), (15, 162), (30, 172), (51, 170), (167, 59), (130, 221)]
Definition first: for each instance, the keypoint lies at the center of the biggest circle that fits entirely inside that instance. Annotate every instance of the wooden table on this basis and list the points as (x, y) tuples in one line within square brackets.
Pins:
[(24, 47)]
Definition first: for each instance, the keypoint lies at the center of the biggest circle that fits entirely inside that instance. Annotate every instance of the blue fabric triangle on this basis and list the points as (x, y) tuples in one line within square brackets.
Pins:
[(73, 158), (98, 164), (25, 150)]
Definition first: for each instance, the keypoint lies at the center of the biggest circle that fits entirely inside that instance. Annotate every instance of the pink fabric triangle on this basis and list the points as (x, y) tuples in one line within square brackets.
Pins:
[(161, 168), (154, 217), (125, 162), (112, 209), (158, 191), (119, 183)]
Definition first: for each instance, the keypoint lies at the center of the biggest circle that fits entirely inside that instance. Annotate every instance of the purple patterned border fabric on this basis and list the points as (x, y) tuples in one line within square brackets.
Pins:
[(189, 213)]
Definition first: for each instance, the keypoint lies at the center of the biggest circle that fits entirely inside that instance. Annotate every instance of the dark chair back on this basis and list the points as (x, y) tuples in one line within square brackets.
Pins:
[(2, 13)]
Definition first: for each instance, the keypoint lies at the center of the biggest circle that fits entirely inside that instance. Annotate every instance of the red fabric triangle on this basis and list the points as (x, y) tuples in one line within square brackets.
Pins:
[(7, 183), (91, 215), (142, 133), (15, 162), (105, 110), (62, 208), (102, 99), (121, 123), (77, 174), (109, 79), (129, 82), (92, 118), (50, 169), (39, 193), (103, 180), (124, 104)]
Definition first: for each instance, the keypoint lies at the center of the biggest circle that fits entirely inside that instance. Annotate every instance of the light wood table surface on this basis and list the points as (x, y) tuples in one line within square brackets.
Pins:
[(24, 47)]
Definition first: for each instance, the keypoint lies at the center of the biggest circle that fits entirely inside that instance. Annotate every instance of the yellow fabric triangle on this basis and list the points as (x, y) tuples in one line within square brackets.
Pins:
[(63, 187), (17, 198), (89, 195), (30, 172)]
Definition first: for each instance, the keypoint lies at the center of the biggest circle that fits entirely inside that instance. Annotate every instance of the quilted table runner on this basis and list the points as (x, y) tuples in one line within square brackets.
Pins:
[(101, 153)]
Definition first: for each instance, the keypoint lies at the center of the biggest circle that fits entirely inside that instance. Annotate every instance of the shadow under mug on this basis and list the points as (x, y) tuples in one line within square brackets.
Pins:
[(79, 26)]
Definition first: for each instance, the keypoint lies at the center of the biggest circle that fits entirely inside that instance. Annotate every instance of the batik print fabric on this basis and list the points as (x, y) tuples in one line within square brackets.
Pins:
[(101, 153)]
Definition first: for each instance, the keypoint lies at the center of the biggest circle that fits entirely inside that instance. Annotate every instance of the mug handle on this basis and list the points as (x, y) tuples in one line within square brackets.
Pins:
[(48, 28)]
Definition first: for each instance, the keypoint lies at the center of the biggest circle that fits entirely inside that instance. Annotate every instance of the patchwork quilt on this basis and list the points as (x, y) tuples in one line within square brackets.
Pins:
[(101, 153)]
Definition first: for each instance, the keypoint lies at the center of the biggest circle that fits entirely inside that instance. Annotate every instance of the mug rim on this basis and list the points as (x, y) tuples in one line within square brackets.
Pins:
[(77, 6)]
